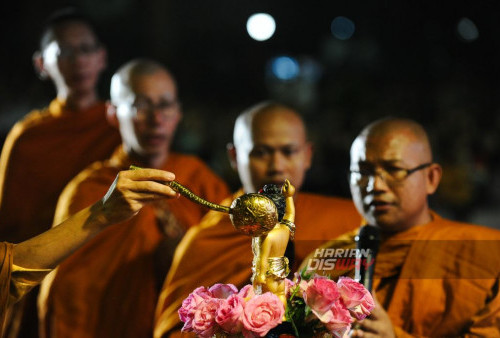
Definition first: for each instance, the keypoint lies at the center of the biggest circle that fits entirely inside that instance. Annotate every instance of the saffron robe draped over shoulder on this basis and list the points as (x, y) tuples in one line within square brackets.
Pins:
[(108, 287), (15, 281), (5, 279), (41, 154), (440, 279), (214, 252)]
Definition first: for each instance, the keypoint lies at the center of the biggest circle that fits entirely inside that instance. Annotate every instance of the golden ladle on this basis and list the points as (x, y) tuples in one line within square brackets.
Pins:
[(252, 214)]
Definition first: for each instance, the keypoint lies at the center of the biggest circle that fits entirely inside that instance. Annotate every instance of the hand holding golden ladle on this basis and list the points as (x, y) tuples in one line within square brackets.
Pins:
[(252, 214)]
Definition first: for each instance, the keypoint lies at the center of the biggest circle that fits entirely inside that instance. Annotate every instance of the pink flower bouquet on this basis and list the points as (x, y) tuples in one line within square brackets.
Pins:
[(222, 309), (315, 305)]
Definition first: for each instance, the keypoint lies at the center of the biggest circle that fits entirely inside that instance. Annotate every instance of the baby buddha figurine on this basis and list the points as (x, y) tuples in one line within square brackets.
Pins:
[(270, 265)]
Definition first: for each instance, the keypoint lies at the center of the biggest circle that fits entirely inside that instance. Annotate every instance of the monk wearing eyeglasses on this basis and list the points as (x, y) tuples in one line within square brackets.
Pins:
[(115, 279), (433, 277), (270, 145), (50, 146)]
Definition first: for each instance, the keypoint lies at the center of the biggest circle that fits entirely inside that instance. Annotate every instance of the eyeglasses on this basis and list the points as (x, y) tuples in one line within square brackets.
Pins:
[(390, 174), (67, 52), (265, 151), (167, 109)]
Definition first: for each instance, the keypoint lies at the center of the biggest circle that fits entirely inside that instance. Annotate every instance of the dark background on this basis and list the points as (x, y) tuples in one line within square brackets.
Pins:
[(406, 58)]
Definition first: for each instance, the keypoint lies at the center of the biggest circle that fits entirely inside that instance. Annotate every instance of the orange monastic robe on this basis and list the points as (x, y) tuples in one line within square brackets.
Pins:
[(5, 278), (440, 279), (41, 154), (15, 281), (214, 252), (109, 287)]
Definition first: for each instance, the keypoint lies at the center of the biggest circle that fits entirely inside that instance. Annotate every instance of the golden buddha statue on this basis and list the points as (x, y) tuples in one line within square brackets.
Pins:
[(270, 265)]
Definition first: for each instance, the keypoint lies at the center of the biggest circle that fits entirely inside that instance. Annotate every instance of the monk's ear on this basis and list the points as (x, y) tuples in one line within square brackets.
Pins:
[(231, 153), (38, 65), (111, 114), (434, 173)]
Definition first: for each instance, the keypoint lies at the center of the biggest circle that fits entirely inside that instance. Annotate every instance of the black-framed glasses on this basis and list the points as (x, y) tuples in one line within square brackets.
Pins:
[(167, 109), (389, 173), (69, 52)]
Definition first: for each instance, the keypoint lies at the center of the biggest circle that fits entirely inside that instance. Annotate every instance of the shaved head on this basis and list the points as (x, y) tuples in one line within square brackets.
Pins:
[(257, 116), (270, 145), (392, 174), (146, 110), (61, 18), (123, 80), (69, 36), (399, 126)]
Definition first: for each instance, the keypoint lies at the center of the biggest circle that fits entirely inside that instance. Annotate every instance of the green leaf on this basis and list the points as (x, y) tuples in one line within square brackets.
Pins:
[(305, 275), (307, 311)]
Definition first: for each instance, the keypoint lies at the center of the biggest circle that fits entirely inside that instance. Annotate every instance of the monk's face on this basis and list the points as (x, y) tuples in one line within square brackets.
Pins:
[(392, 204), (74, 59), (274, 150), (149, 115)]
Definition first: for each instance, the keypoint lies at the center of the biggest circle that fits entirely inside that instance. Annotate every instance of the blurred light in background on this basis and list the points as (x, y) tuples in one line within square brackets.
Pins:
[(261, 26), (285, 67), (467, 30), (342, 28), (293, 80), (310, 69)]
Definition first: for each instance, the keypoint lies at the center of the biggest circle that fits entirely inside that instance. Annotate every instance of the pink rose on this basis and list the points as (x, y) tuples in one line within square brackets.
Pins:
[(356, 297), (247, 292), (338, 320), (222, 291), (203, 323), (262, 313), (229, 314), (190, 304), (203, 292), (320, 294)]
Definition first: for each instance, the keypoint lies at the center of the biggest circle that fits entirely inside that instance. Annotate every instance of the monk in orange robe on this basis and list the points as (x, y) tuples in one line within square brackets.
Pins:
[(109, 288), (433, 277), (23, 266), (48, 147), (270, 145)]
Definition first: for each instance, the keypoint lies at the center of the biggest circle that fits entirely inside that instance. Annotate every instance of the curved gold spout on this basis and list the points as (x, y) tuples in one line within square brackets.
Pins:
[(197, 199), (192, 196)]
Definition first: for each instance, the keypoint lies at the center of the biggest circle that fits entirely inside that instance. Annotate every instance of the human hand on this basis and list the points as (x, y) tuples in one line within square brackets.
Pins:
[(378, 324), (132, 189), (288, 189)]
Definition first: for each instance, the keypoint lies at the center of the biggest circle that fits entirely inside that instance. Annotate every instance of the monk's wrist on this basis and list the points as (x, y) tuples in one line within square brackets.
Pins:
[(99, 217)]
